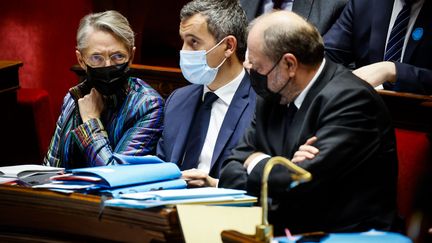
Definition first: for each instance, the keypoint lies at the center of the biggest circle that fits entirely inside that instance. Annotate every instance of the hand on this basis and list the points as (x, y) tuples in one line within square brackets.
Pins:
[(91, 105), (306, 151), (377, 73), (198, 178)]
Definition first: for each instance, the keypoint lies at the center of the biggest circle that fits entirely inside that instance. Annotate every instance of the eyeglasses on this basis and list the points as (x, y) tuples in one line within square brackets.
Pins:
[(98, 60)]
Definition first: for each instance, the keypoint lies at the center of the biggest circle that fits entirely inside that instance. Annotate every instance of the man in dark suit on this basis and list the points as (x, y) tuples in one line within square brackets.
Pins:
[(304, 95), (214, 44), (363, 35), (321, 13)]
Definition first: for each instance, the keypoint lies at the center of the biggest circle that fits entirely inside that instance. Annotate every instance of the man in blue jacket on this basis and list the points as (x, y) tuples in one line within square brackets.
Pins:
[(388, 41), (204, 121)]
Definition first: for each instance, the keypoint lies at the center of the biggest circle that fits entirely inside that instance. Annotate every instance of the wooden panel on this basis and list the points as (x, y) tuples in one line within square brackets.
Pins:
[(162, 79), (156, 27)]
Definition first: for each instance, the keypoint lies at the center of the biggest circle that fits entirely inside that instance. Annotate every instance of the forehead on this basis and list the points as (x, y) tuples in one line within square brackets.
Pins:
[(255, 48), (195, 25), (102, 41)]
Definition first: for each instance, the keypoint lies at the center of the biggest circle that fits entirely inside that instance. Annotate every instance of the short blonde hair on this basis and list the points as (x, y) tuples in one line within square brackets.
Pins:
[(109, 21)]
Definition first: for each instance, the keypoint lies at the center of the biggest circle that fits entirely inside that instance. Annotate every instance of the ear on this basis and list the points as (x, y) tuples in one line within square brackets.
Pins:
[(80, 60), (231, 45), (132, 55), (291, 63)]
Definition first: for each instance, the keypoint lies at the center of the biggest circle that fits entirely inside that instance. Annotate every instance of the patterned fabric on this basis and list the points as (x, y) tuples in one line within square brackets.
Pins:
[(131, 125)]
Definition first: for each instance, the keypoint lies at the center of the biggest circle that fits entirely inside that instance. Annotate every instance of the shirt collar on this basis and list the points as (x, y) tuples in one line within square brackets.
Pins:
[(299, 100), (226, 92)]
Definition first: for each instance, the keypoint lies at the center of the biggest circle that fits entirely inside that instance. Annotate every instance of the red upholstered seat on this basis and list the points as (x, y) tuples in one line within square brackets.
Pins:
[(414, 154), (29, 128)]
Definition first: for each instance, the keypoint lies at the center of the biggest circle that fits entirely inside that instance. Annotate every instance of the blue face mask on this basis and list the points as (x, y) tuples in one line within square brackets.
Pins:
[(195, 68)]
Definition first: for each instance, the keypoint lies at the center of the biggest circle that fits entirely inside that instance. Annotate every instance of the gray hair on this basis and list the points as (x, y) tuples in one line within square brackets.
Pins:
[(224, 17), (302, 40), (108, 21)]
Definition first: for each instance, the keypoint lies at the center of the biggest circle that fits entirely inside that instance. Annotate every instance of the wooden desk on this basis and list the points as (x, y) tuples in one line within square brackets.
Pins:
[(44, 215), (409, 111), (9, 80), (9, 84)]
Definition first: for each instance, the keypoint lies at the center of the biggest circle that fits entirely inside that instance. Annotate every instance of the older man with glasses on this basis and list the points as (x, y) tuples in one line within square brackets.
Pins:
[(109, 112)]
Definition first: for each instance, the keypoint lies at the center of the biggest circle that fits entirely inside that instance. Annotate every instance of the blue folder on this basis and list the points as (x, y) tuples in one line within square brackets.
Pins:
[(120, 179), (372, 236), (129, 159), (130, 175), (162, 185)]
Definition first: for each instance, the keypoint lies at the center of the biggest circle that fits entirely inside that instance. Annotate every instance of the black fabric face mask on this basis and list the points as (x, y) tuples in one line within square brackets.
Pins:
[(108, 80), (259, 84)]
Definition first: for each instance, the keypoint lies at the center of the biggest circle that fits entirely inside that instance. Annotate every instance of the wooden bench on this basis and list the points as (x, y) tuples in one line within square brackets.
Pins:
[(412, 118)]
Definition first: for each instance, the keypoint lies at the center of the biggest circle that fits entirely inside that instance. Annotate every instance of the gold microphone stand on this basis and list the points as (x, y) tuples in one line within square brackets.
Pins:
[(264, 231)]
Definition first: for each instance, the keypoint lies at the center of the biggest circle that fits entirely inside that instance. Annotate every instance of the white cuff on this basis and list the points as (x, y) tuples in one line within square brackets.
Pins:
[(255, 161), (379, 87)]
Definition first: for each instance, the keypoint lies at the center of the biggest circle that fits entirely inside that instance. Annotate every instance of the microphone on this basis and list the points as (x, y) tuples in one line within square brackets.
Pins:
[(264, 231)]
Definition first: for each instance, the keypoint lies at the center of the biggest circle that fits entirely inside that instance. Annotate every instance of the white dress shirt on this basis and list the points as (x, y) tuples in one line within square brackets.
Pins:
[(217, 116), (267, 5)]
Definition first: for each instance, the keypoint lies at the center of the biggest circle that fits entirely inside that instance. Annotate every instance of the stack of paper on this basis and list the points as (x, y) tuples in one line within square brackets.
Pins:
[(27, 175), (22, 171), (206, 195)]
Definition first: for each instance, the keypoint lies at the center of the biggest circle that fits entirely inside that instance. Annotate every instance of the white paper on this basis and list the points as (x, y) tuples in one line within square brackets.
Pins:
[(26, 170)]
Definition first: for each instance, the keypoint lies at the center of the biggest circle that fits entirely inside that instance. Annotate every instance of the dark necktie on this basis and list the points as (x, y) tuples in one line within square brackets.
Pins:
[(290, 113), (397, 35), (277, 4), (198, 132)]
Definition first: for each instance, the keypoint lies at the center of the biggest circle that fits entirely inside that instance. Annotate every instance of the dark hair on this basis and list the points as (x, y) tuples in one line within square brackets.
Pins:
[(224, 17)]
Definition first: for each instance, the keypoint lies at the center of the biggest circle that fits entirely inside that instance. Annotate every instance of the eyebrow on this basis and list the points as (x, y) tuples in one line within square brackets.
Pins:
[(251, 62), (190, 35), (108, 53)]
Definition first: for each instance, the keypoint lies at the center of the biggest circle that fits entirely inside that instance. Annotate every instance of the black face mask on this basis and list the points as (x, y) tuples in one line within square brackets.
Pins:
[(108, 80), (259, 84)]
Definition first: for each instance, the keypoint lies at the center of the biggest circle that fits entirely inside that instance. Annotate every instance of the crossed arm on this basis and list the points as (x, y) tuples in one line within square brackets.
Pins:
[(199, 178)]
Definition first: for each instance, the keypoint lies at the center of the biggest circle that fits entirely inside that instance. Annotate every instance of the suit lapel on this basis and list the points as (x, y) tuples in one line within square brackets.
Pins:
[(232, 118), (381, 11), (186, 112), (251, 7), (421, 23), (294, 135), (302, 7)]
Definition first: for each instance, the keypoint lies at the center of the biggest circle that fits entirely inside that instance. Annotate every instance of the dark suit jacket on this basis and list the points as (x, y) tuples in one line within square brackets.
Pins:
[(355, 173), (359, 36), (321, 13), (179, 112)]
